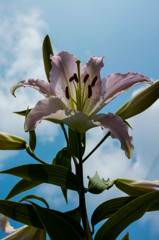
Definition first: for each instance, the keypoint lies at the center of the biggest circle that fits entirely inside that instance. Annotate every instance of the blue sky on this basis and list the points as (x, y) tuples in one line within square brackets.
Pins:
[(126, 32)]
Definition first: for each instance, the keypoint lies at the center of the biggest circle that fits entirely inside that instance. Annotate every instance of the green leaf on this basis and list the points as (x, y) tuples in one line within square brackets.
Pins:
[(24, 112), (63, 158), (36, 198), (108, 208), (20, 212), (59, 225), (77, 142), (22, 186), (126, 215), (45, 173), (126, 237), (75, 214), (47, 50), (32, 140), (97, 185)]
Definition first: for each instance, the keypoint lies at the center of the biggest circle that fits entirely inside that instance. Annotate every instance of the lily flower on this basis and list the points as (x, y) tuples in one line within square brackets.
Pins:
[(76, 93), (23, 233), (136, 187)]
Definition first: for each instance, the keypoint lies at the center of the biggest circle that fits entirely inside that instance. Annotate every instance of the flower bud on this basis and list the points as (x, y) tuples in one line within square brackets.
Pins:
[(97, 185), (11, 142), (136, 187), (140, 101)]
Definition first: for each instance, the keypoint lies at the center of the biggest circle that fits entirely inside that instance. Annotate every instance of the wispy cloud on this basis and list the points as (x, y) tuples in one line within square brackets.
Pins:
[(23, 59)]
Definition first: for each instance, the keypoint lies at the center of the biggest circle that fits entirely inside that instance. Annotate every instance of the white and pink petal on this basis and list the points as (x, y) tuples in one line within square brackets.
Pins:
[(118, 83), (118, 130), (93, 68), (53, 109), (40, 85), (5, 225), (63, 68)]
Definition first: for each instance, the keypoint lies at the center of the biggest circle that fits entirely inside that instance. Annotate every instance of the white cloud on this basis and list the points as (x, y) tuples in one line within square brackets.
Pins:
[(23, 60)]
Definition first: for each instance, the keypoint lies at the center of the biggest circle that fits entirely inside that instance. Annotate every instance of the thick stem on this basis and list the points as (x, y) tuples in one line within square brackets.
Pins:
[(82, 201)]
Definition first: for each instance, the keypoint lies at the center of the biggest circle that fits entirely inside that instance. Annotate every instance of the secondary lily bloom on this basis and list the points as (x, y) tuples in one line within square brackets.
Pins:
[(136, 187), (77, 93), (22, 233)]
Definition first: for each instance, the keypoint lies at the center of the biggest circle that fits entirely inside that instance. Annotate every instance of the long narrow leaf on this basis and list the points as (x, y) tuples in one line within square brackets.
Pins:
[(47, 50), (59, 225), (46, 173), (31, 196), (63, 158), (126, 215), (22, 186), (108, 208), (20, 212)]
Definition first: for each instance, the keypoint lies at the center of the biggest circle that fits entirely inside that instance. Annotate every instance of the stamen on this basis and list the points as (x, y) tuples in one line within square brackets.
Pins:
[(89, 91), (74, 77), (86, 78), (94, 81), (67, 93)]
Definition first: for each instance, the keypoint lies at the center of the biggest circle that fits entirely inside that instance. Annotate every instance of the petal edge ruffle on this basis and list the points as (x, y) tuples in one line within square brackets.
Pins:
[(118, 129)]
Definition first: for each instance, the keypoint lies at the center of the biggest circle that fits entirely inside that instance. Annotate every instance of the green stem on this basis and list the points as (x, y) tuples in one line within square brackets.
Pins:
[(34, 156), (82, 201), (97, 146)]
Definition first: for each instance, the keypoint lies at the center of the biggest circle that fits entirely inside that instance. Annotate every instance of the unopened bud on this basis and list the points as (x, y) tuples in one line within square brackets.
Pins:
[(136, 187), (11, 142)]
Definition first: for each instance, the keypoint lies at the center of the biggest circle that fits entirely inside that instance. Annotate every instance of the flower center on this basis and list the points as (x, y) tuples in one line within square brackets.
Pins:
[(80, 92)]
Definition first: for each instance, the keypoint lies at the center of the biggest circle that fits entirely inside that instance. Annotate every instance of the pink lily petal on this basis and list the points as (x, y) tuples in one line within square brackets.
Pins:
[(40, 85), (53, 109), (63, 67), (5, 225), (118, 130), (118, 83), (93, 68), (43, 108)]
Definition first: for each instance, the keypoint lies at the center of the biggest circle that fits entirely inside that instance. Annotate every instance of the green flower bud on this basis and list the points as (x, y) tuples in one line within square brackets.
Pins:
[(136, 187), (11, 142), (140, 101), (97, 185)]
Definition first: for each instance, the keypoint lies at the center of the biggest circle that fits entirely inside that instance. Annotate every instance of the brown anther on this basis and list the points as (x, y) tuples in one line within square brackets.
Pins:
[(67, 93), (89, 91), (74, 77), (86, 78), (94, 81)]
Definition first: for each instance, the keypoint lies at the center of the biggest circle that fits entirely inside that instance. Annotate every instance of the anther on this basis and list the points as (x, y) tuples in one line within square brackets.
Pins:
[(94, 81), (86, 78), (89, 91), (74, 77), (67, 93)]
